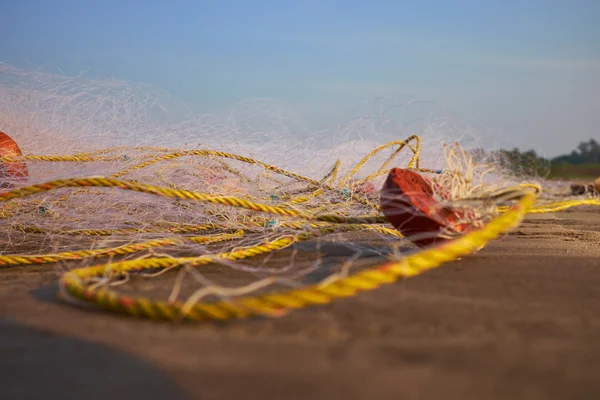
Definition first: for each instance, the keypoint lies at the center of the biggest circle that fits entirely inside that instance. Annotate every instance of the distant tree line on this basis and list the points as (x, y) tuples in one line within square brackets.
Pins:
[(586, 153), (584, 161)]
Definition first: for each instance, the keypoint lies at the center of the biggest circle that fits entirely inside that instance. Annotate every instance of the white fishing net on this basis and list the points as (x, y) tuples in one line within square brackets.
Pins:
[(263, 177)]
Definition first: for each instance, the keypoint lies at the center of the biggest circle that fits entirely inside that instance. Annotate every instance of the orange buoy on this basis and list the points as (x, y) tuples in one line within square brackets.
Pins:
[(11, 171), (407, 202)]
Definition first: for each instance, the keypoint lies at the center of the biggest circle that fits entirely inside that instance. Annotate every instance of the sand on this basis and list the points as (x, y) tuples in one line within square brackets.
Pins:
[(518, 320)]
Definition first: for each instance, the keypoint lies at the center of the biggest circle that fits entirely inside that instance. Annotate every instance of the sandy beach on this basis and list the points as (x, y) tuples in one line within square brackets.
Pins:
[(518, 320)]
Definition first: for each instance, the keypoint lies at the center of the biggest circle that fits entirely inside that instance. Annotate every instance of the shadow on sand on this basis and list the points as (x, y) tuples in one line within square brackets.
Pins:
[(35, 364)]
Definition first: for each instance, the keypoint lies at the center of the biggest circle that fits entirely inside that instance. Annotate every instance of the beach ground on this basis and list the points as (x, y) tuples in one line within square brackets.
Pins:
[(518, 320)]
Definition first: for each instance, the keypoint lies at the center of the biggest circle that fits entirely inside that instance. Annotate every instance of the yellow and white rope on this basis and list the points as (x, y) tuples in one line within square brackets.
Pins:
[(300, 223)]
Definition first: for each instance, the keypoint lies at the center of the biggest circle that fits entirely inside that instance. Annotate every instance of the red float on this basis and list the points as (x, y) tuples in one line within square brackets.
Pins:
[(407, 202), (11, 171)]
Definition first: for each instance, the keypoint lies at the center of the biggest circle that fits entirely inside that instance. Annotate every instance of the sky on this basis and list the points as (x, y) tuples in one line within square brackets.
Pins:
[(528, 71)]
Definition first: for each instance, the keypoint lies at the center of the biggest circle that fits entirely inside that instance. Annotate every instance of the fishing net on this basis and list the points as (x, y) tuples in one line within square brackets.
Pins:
[(148, 209)]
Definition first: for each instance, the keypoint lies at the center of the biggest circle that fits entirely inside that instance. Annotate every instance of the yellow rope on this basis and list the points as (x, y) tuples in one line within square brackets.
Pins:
[(180, 194), (558, 206), (401, 144), (74, 283), (563, 205), (20, 259), (67, 158), (238, 157), (17, 259), (88, 157), (309, 223), (111, 232), (182, 228)]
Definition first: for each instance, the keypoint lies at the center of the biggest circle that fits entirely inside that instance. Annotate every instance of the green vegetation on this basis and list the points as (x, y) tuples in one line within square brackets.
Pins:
[(582, 163), (587, 153)]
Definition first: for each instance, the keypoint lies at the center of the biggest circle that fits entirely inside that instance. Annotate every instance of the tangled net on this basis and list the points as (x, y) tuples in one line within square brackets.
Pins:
[(199, 232)]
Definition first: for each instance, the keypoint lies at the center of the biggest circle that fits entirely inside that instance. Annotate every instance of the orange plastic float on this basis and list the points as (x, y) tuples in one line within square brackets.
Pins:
[(11, 171), (407, 202)]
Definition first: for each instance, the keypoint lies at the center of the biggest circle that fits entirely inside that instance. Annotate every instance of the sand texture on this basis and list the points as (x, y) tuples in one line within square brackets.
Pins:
[(518, 320)]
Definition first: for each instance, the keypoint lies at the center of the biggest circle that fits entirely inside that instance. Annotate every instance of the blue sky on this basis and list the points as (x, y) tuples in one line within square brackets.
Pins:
[(529, 70)]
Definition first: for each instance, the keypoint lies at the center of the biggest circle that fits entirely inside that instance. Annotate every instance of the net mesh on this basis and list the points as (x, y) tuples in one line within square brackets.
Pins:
[(217, 207)]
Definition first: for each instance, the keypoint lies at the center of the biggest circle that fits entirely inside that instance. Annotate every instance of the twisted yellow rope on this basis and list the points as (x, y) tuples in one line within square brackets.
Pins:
[(563, 205), (74, 283), (108, 182), (558, 206), (65, 158), (20, 259), (401, 144), (182, 229), (113, 251), (181, 194), (215, 153)]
